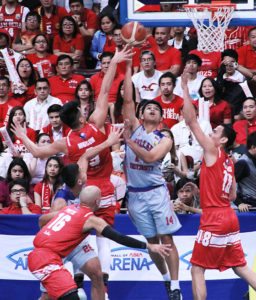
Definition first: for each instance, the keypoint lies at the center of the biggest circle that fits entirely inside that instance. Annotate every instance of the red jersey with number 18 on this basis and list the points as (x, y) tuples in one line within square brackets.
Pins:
[(64, 232), (216, 182)]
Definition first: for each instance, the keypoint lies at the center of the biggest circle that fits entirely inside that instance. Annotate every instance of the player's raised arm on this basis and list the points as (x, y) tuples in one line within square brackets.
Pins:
[(99, 115), (104, 229)]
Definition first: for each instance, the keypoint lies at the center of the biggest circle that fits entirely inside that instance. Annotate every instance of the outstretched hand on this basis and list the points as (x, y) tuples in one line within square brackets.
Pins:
[(18, 129), (125, 54), (115, 135), (184, 79), (163, 249)]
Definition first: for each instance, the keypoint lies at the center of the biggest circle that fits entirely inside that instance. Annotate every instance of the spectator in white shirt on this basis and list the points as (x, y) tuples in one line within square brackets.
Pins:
[(36, 108)]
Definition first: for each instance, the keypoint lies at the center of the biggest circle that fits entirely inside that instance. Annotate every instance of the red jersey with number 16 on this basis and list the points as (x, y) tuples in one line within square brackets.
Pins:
[(216, 182), (64, 232), (81, 140)]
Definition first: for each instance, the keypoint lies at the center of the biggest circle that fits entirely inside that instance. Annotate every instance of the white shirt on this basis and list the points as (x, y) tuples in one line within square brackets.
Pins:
[(236, 77), (183, 135), (193, 87), (148, 87), (36, 112)]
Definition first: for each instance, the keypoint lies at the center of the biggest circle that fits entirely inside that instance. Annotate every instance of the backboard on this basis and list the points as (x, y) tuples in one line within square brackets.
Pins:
[(153, 13)]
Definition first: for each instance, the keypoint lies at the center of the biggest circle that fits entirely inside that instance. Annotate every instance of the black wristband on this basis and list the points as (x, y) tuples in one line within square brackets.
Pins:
[(122, 239)]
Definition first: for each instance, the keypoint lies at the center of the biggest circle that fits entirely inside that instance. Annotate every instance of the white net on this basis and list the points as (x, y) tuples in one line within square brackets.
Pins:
[(211, 23)]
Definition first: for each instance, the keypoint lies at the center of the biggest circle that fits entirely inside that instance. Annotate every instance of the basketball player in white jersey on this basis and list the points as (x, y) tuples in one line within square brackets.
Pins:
[(148, 197)]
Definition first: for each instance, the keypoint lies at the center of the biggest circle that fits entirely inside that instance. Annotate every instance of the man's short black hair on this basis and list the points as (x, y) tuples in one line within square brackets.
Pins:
[(69, 174), (249, 98), (22, 182), (64, 56), (182, 182), (43, 79), (74, 1), (195, 58), (70, 113), (230, 134), (106, 54), (168, 75), (251, 140), (54, 108), (152, 102), (231, 53), (6, 79)]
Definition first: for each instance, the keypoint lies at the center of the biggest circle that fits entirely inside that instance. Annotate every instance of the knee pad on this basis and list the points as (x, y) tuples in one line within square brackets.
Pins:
[(79, 279)]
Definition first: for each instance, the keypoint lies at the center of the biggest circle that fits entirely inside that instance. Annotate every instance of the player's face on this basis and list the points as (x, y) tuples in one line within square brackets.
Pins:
[(4, 88), (105, 64), (64, 67), (216, 135), (147, 62), (249, 109), (252, 38), (44, 140), (46, 3), (106, 25), (52, 168), (152, 113), (166, 87), (16, 192), (208, 90), (191, 66), (185, 195), (76, 8), (83, 92), (162, 35), (54, 118), (41, 44), (117, 37), (17, 172), (19, 117), (42, 90), (24, 69)]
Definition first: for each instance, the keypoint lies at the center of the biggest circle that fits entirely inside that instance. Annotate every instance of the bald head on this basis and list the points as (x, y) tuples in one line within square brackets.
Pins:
[(90, 196)]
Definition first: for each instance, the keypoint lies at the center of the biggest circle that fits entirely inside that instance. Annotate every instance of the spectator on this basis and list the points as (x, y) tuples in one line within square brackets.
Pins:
[(44, 191), (20, 203), (235, 37), (171, 104), (220, 111), (118, 108), (248, 125), (23, 40), (192, 65), (5, 160), (26, 86), (6, 102), (56, 129), (69, 41), (43, 62), (36, 108), (16, 170), (13, 17), (17, 115), (146, 81), (167, 58), (102, 38), (64, 84), (84, 96), (245, 173)]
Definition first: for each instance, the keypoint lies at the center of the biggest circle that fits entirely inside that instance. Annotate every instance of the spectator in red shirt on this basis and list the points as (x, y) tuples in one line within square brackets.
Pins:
[(220, 111), (167, 58), (6, 103), (69, 41), (84, 96), (63, 85), (43, 62), (171, 104), (247, 126), (21, 204)]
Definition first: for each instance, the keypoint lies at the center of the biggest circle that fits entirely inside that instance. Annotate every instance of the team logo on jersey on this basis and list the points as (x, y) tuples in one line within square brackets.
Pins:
[(83, 135), (72, 84), (18, 16)]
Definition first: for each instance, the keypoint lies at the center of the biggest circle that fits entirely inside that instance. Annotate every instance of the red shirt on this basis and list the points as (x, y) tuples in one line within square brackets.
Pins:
[(31, 134), (80, 140), (14, 209), (166, 59), (247, 57), (243, 128), (46, 193), (11, 22), (50, 25), (96, 83), (235, 37), (48, 129), (45, 66), (210, 62), (5, 109), (26, 37), (171, 110), (64, 89), (64, 232), (89, 19), (70, 46), (216, 181), (218, 112), (28, 95)]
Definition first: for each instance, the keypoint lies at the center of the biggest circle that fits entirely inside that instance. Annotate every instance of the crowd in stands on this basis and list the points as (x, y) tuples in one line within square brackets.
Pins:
[(54, 52)]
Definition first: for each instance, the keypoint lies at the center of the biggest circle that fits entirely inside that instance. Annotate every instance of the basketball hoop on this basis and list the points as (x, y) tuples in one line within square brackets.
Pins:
[(211, 22)]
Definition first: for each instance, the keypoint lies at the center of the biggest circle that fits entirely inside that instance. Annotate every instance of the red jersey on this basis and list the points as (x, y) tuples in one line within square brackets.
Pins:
[(171, 110), (26, 96), (210, 63), (216, 182), (247, 57), (166, 59), (81, 140), (45, 66), (235, 37), (64, 232), (64, 89), (243, 128), (11, 22), (18, 143), (89, 19), (5, 109), (70, 46), (50, 25)]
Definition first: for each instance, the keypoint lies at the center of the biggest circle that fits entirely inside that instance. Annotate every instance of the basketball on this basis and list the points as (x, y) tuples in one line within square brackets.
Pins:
[(134, 33)]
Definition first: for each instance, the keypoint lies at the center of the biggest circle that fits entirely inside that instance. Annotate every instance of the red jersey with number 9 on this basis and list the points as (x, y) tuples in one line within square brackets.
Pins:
[(64, 232), (216, 182), (81, 140)]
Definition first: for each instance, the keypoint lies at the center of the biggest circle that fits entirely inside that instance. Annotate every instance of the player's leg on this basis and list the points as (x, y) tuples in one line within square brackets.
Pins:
[(247, 274), (198, 283)]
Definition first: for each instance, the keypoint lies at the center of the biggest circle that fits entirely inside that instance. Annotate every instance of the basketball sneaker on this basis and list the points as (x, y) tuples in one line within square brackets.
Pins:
[(175, 295)]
